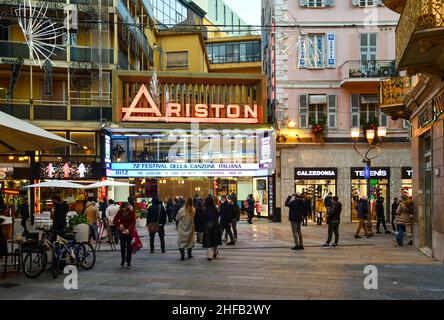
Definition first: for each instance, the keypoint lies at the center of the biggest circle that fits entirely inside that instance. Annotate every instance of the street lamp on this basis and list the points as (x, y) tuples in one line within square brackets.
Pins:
[(367, 159)]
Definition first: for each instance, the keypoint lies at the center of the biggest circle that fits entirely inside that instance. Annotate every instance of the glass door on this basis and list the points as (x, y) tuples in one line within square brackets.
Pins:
[(428, 180)]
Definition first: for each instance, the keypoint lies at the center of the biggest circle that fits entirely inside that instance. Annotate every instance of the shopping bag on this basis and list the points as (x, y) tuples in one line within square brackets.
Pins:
[(136, 244)]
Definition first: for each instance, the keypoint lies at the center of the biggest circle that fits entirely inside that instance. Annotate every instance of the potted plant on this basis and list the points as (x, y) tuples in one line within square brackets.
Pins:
[(141, 221), (80, 226), (319, 130)]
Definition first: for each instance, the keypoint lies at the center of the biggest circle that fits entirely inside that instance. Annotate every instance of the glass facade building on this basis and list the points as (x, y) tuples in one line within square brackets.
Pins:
[(169, 12), (234, 52)]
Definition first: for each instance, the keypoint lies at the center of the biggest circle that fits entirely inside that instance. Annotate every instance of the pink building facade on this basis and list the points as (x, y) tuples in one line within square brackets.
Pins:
[(328, 59)]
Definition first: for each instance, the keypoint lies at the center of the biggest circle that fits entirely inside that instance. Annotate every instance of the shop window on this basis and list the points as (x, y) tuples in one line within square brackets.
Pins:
[(86, 143), (177, 60), (59, 151)]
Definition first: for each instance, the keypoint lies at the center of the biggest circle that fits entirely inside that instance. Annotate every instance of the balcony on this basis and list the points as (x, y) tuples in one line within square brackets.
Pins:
[(366, 71), (420, 37), (88, 54), (392, 95), (9, 49)]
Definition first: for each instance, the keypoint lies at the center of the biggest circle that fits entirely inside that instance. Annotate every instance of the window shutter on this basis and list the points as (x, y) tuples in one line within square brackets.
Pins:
[(329, 3), (303, 106), (354, 111), (304, 3), (332, 111), (356, 2)]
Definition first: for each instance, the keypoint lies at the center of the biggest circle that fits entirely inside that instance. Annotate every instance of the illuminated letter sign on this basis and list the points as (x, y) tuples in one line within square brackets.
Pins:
[(176, 112)]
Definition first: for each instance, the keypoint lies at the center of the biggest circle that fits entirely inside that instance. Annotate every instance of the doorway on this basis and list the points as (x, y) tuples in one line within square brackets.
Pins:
[(427, 187)]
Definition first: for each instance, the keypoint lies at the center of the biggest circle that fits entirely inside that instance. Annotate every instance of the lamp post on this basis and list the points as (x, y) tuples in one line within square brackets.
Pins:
[(367, 160)]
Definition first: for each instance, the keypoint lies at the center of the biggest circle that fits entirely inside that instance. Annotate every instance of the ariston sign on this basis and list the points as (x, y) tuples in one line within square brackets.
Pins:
[(147, 111)]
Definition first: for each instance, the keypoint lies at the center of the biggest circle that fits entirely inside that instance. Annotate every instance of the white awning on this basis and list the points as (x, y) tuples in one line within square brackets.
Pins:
[(19, 136)]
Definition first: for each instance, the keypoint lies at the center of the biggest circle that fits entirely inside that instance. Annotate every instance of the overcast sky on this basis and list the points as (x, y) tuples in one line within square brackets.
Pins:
[(249, 10)]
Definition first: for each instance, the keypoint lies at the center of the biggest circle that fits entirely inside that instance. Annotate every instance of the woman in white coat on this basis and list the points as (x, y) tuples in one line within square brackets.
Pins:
[(185, 228)]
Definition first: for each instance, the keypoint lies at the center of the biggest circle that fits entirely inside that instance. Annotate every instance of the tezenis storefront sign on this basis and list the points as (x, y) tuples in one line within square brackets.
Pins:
[(144, 109), (375, 173), (315, 173)]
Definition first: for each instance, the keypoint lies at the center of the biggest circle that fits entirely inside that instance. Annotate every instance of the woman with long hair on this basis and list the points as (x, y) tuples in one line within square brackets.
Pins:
[(186, 229), (212, 232), (125, 222)]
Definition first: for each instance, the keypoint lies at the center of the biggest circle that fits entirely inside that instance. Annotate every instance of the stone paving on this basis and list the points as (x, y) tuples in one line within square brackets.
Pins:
[(261, 266)]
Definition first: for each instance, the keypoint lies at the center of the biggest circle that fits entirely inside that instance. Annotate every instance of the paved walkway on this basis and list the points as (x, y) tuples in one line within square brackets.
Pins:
[(260, 266)]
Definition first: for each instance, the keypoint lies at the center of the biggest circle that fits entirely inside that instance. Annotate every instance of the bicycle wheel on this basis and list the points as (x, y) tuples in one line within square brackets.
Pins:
[(86, 256), (35, 262)]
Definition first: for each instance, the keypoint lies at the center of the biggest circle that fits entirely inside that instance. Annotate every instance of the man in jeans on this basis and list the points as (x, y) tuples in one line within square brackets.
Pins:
[(296, 216), (333, 221), (362, 210)]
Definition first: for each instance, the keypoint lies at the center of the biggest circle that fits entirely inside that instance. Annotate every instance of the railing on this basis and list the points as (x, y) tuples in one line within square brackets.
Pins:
[(417, 15), (87, 54), (15, 109), (11, 49), (367, 69), (394, 90)]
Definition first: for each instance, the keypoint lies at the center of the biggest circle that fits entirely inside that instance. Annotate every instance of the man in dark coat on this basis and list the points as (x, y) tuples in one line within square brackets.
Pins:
[(380, 215), (333, 221), (102, 208), (24, 212), (157, 213), (395, 206), (250, 208), (296, 215), (226, 216), (362, 211), (170, 210), (198, 219), (212, 237), (307, 209), (60, 211)]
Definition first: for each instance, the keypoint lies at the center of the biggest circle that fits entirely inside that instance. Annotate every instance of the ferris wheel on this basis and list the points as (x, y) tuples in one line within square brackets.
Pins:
[(40, 32)]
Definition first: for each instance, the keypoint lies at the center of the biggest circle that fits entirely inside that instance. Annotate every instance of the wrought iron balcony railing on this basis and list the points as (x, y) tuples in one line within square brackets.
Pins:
[(394, 90), (417, 15), (367, 69)]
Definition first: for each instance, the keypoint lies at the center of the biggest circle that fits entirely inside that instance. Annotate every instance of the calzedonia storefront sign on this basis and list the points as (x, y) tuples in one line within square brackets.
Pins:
[(315, 173), (375, 173)]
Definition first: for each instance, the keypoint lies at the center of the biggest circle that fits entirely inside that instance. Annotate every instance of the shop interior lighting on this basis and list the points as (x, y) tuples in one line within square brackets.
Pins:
[(11, 158)]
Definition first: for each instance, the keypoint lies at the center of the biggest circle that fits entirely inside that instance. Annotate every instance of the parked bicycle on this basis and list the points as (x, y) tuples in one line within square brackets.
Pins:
[(62, 251), (79, 254)]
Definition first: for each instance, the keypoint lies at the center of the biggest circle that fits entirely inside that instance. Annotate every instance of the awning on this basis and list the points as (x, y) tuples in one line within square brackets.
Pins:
[(19, 136)]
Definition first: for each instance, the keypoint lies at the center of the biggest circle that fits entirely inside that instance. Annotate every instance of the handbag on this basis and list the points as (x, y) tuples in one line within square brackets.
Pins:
[(154, 227)]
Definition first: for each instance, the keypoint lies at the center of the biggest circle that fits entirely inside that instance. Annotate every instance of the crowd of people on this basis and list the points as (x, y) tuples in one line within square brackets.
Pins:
[(300, 209), (212, 221), (206, 222)]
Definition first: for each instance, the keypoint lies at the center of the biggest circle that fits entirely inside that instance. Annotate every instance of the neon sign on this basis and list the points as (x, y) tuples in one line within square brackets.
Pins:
[(65, 170), (176, 112)]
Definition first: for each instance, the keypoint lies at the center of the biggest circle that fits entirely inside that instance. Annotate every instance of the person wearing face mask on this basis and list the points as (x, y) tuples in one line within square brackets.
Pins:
[(226, 217)]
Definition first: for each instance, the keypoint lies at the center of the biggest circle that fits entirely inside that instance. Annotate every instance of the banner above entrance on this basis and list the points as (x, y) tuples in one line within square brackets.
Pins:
[(375, 173), (162, 170), (315, 173)]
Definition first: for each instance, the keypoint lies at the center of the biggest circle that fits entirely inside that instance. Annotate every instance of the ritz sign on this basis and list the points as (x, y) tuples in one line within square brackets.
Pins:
[(176, 112)]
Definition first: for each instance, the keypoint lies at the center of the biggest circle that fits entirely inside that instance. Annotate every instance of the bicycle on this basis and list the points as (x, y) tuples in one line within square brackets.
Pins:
[(79, 254), (36, 258)]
